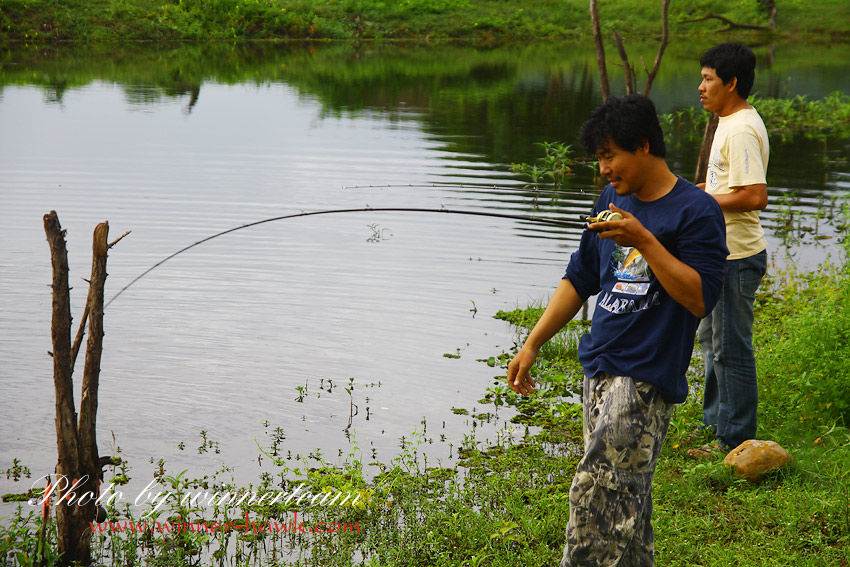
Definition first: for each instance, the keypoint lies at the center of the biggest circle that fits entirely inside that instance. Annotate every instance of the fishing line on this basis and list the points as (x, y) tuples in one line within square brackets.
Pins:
[(524, 189), (542, 220)]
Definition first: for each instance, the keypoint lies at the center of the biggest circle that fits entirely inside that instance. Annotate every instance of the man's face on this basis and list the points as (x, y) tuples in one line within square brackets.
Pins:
[(713, 94), (622, 168)]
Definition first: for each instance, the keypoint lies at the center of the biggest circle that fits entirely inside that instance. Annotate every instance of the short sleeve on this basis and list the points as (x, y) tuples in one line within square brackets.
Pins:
[(746, 166)]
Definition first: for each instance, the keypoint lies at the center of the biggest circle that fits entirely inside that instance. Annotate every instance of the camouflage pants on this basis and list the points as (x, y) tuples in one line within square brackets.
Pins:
[(625, 423)]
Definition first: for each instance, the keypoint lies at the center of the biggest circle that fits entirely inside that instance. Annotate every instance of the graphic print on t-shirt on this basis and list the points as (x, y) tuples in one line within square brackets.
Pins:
[(715, 165), (631, 270), (633, 278)]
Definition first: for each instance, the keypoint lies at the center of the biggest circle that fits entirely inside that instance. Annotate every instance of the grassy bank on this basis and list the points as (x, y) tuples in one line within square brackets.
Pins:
[(483, 20), (801, 515)]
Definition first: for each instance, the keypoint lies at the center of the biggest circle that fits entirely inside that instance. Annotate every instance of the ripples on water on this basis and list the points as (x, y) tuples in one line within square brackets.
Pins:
[(219, 338)]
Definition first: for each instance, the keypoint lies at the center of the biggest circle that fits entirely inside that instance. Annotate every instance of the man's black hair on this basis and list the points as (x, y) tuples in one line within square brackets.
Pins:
[(627, 121), (732, 60)]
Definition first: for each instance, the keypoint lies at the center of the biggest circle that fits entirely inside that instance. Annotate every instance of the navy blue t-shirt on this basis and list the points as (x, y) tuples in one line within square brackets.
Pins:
[(638, 330)]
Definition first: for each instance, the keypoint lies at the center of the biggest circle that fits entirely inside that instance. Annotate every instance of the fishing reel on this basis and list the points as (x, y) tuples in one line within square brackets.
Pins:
[(602, 216)]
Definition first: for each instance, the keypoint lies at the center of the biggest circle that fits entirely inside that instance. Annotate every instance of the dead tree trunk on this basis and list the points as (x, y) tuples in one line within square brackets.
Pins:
[(66, 417), (89, 458), (707, 139), (79, 467), (631, 80), (604, 84), (665, 39)]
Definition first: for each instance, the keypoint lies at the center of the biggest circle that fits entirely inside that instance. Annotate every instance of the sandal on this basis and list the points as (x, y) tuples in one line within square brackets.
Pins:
[(708, 451)]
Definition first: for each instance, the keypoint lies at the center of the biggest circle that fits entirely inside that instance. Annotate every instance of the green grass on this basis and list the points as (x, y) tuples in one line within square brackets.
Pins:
[(484, 20), (801, 514)]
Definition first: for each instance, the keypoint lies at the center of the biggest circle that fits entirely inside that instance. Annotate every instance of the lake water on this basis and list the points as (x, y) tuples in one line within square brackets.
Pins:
[(178, 144)]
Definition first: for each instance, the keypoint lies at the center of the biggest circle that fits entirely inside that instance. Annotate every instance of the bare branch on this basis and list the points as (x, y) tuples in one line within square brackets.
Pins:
[(117, 240), (771, 8), (78, 340), (79, 467), (665, 37), (732, 25), (627, 69)]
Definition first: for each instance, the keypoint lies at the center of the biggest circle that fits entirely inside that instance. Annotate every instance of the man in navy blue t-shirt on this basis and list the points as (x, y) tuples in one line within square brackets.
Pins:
[(655, 271)]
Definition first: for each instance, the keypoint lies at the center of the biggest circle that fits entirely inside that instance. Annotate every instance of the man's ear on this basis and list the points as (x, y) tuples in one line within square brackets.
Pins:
[(732, 85)]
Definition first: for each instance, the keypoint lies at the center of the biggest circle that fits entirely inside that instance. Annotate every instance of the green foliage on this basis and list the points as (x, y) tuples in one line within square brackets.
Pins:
[(558, 357), (524, 318), (813, 119), (44, 21), (806, 352), (784, 118), (554, 167), (686, 123), (18, 471), (705, 516), (247, 19), (21, 542)]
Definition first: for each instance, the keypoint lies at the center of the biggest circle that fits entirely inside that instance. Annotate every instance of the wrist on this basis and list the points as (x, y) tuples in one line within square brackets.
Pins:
[(646, 242), (531, 348)]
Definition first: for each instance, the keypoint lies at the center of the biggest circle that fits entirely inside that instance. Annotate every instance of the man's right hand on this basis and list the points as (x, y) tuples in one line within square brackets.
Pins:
[(518, 377)]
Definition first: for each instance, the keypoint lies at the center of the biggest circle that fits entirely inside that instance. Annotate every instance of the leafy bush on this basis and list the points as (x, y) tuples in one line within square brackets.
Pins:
[(784, 118), (816, 119)]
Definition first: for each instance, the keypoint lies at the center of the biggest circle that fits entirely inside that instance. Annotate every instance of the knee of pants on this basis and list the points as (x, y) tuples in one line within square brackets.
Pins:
[(606, 505)]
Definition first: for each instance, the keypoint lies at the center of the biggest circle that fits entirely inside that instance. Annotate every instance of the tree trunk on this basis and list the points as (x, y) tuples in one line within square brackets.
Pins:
[(89, 459), (707, 139), (78, 470), (604, 85), (665, 37), (67, 441)]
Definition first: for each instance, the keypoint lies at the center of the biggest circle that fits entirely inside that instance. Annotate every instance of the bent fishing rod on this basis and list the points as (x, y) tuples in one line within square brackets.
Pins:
[(528, 218)]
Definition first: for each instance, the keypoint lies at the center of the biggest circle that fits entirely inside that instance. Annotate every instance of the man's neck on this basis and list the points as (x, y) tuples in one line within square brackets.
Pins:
[(659, 181), (735, 104)]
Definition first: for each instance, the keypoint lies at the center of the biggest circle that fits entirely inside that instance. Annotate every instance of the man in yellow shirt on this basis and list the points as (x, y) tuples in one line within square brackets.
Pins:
[(737, 180)]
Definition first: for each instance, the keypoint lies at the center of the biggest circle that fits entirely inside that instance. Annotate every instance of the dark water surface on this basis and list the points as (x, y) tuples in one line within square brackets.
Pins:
[(176, 144)]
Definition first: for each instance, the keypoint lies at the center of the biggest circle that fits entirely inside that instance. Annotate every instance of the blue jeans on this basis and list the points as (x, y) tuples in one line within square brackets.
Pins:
[(730, 403)]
